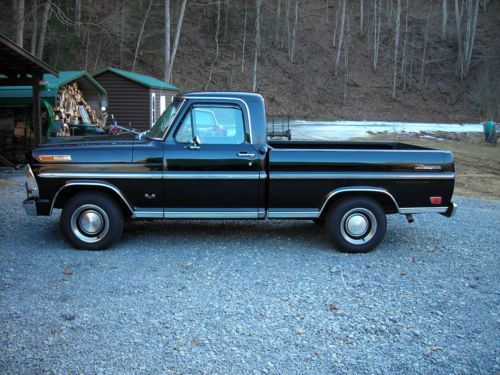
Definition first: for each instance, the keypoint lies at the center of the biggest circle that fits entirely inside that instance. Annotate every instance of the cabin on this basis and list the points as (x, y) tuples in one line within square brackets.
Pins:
[(135, 100)]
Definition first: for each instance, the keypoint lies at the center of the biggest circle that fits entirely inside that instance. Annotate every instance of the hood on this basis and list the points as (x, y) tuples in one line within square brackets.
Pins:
[(95, 150)]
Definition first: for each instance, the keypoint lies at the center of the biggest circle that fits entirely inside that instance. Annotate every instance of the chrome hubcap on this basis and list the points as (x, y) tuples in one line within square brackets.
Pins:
[(89, 223), (358, 226)]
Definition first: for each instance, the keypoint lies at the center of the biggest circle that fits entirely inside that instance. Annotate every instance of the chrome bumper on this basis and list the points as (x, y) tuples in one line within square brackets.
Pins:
[(451, 211), (30, 207)]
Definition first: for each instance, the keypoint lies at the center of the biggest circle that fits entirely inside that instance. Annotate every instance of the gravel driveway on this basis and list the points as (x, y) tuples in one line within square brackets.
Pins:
[(242, 297)]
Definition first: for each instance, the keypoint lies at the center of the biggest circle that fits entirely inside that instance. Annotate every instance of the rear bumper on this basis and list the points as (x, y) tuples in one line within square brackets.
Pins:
[(36, 207), (451, 211)]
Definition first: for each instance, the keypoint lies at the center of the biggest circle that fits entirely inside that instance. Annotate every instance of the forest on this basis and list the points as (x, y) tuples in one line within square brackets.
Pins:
[(412, 60)]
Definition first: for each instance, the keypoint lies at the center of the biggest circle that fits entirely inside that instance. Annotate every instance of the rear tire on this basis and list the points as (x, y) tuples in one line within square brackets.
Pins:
[(356, 225), (91, 221)]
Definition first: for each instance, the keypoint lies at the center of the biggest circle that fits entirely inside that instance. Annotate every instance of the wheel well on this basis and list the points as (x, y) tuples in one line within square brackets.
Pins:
[(385, 201), (68, 192)]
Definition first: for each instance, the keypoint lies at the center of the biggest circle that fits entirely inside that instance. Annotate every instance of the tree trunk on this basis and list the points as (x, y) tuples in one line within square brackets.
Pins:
[(277, 24), (396, 47), (444, 9), (139, 39), (19, 23), (217, 30), (294, 32), (244, 38), (377, 22), (34, 33), (257, 44), (341, 36), (78, 15), (43, 29), (177, 36), (122, 34), (361, 17)]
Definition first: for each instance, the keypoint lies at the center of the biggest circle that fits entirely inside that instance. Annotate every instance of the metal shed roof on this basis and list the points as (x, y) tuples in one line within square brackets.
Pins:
[(139, 78), (19, 96), (15, 60)]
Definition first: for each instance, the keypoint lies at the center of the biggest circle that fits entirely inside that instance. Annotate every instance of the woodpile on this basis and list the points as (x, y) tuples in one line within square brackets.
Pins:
[(69, 100), (15, 141)]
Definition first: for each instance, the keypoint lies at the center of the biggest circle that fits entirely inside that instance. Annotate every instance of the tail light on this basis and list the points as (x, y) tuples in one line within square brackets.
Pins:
[(436, 200)]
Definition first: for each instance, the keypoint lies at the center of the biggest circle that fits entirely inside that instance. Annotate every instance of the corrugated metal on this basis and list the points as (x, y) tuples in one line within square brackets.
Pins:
[(128, 101)]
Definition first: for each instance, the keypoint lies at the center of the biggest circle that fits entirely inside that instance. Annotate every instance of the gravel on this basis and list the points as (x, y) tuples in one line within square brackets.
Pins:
[(181, 297)]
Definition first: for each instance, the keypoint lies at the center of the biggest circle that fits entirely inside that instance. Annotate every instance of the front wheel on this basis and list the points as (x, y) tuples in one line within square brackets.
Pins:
[(92, 221), (356, 225)]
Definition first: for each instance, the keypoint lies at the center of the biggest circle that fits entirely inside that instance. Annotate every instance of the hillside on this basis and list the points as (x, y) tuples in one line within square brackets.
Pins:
[(308, 87)]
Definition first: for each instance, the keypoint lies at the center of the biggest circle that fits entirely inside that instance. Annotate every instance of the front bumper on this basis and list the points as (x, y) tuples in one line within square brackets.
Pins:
[(36, 207), (30, 207), (451, 211)]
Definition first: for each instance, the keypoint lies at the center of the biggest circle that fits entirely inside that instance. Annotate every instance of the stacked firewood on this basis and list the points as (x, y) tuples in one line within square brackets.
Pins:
[(69, 100)]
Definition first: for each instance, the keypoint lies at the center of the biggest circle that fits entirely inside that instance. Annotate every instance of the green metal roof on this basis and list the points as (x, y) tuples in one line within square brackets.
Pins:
[(139, 78), (20, 96)]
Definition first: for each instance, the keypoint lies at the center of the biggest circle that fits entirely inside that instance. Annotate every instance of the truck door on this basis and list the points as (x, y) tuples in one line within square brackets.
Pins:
[(211, 170)]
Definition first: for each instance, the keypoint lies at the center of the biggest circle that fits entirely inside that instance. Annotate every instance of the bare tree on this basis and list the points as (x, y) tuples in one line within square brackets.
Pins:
[(377, 22), (43, 29), (396, 47), (293, 38), (123, 16), (170, 54), (20, 22), (244, 37), (217, 31), (444, 11), (141, 32), (257, 44), (465, 38), (34, 32), (277, 23), (226, 20), (426, 41), (78, 15), (361, 16), (341, 36), (346, 58)]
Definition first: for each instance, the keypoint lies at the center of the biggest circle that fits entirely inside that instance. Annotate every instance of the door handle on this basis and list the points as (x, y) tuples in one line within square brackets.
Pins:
[(245, 154)]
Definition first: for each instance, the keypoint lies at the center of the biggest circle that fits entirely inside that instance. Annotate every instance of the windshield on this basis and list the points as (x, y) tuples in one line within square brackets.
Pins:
[(162, 124)]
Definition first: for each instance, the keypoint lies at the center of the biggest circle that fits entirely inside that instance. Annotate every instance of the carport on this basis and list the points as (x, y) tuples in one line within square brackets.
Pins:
[(18, 67)]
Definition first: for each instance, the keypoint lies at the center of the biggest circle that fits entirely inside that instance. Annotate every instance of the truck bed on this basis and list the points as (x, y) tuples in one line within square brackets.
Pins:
[(311, 145)]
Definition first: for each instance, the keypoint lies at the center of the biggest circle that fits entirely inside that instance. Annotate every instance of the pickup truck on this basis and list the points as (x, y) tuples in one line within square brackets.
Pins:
[(207, 157)]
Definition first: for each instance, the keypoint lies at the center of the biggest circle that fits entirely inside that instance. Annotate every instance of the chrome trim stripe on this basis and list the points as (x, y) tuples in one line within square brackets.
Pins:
[(360, 175), (238, 213), (139, 214), (358, 189), (422, 210), (159, 175), (333, 149), (212, 176), (138, 175), (215, 98), (293, 213), (90, 183)]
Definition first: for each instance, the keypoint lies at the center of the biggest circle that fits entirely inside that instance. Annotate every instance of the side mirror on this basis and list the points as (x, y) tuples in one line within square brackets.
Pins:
[(195, 144)]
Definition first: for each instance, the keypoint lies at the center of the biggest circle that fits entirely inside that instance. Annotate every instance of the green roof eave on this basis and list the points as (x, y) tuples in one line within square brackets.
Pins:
[(141, 79), (22, 95)]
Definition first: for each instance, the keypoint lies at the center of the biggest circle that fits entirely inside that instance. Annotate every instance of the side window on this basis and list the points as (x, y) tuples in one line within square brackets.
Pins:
[(213, 125), (185, 132)]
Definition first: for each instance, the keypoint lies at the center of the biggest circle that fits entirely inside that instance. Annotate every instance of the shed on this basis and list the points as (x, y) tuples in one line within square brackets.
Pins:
[(18, 67), (135, 99)]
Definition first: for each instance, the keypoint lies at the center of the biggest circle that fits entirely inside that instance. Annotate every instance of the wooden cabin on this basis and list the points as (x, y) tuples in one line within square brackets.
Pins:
[(135, 100)]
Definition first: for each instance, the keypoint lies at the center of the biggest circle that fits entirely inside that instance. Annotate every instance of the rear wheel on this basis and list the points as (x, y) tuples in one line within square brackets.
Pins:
[(92, 221), (356, 225)]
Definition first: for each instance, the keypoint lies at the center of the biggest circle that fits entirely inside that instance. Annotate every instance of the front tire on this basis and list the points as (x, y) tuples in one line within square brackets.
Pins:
[(356, 225), (92, 221)]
